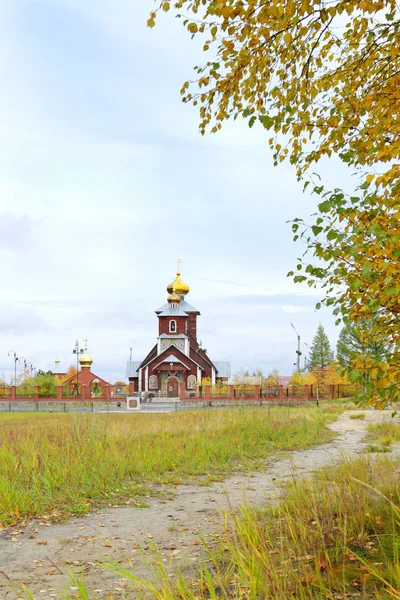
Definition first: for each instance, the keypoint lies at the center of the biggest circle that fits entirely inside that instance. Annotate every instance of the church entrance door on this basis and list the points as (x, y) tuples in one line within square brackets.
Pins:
[(172, 387)]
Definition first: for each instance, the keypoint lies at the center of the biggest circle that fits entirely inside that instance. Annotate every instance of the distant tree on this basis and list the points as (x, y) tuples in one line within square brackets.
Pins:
[(321, 354), (298, 379), (355, 339), (70, 373), (273, 378)]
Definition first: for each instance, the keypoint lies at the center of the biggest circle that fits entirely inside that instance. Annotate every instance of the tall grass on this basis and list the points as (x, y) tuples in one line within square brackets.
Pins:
[(384, 433), (63, 464), (335, 536)]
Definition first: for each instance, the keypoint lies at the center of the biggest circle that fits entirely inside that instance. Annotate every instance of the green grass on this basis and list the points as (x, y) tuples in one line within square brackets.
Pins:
[(57, 465), (375, 448), (384, 433), (357, 416), (335, 536)]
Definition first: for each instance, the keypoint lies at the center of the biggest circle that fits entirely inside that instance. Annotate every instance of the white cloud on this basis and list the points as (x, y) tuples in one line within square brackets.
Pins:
[(104, 181)]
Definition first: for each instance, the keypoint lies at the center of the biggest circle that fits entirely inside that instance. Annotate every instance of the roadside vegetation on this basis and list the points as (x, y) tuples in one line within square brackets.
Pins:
[(384, 433), (60, 464), (333, 536)]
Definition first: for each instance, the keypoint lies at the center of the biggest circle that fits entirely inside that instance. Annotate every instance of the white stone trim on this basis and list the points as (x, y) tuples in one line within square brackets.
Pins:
[(140, 380), (212, 375), (146, 379)]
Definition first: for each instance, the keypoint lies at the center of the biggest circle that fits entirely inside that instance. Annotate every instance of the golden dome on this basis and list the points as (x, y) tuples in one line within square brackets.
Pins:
[(178, 286), (85, 360), (173, 298)]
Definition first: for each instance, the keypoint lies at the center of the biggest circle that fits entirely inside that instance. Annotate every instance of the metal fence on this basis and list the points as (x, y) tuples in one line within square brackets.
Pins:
[(5, 391)]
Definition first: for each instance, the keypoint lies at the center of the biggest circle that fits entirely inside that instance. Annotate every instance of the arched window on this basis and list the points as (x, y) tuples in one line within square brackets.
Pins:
[(172, 326)]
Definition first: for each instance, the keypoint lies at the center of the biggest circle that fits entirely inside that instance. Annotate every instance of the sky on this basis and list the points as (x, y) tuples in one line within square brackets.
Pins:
[(105, 182)]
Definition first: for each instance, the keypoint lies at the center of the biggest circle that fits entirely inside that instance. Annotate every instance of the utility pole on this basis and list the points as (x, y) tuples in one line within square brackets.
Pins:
[(298, 351)]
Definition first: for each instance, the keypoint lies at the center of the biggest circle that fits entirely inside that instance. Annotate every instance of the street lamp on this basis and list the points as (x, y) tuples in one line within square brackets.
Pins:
[(22, 358), (77, 350), (298, 351), (15, 364)]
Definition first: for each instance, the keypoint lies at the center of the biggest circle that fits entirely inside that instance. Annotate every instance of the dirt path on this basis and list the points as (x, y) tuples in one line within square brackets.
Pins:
[(40, 554)]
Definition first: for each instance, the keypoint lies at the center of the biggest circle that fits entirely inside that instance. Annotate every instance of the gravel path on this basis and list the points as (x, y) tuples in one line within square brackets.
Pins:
[(40, 554)]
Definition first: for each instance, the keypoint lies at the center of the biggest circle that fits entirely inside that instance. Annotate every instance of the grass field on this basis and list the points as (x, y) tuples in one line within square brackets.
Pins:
[(57, 465), (335, 536), (384, 434)]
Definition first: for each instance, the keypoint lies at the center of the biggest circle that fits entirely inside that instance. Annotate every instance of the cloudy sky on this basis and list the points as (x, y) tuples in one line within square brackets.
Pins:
[(104, 182)]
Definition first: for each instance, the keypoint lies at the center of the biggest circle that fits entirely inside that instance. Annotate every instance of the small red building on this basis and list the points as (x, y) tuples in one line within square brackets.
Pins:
[(177, 356), (86, 384)]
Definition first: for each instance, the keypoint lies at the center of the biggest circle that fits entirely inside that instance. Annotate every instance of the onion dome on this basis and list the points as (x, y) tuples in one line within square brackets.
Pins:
[(178, 286), (85, 360), (173, 298)]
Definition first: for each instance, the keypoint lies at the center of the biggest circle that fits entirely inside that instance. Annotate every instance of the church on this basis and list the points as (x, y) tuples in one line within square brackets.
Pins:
[(177, 357)]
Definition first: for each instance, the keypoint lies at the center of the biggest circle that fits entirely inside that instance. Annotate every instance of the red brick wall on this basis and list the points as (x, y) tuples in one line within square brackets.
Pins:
[(192, 325), (198, 358), (163, 326)]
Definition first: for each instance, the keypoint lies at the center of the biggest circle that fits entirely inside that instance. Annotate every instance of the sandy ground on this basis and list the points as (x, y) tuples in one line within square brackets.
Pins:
[(40, 555)]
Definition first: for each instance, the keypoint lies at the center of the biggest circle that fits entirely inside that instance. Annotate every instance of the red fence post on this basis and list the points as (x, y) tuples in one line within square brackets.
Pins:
[(306, 392), (83, 392), (59, 392), (257, 392), (108, 392), (280, 391), (36, 392), (13, 392), (182, 390), (207, 392), (232, 392)]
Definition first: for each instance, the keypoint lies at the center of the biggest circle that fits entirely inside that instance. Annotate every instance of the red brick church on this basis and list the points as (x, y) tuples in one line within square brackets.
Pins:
[(177, 357)]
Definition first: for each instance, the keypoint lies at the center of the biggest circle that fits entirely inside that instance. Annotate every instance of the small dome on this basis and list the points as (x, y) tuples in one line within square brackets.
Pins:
[(178, 286), (85, 360), (173, 298)]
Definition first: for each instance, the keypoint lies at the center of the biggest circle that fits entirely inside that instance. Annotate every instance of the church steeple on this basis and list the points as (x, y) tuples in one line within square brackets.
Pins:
[(173, 300), (178, 285), (86, 360)]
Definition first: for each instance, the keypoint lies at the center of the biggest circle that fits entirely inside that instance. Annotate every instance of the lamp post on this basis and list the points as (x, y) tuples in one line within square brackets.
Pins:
[(15, 364), (298, 351), (22, 358), (77, 350)]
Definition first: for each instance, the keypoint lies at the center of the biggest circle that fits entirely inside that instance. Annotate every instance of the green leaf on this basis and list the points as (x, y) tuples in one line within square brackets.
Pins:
[(266, 121)]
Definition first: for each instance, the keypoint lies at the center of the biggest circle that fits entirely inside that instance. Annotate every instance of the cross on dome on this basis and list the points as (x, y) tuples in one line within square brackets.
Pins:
[(178, 286)]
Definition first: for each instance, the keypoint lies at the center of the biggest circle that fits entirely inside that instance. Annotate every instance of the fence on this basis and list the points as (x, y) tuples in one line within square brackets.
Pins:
[(115, 406), (60, 406), (207, 393)]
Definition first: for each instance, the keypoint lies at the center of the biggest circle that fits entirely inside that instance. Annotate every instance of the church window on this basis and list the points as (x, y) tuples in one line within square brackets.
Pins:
[(172, 326), (153, 382)]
